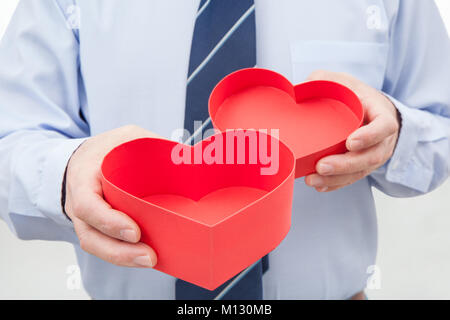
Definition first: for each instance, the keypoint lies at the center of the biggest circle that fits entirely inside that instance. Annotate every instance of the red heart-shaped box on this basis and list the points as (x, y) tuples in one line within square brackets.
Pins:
[(313, 118), (206, 221)]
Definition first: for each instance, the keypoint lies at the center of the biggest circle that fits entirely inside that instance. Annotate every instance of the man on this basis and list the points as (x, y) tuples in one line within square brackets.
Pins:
[(82, 71)]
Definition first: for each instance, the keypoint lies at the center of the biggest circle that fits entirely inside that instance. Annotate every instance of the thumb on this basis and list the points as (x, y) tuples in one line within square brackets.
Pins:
[(345, 79)]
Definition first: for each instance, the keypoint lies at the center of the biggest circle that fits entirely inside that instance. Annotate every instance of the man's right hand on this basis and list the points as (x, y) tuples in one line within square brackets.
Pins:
[(104, 232)]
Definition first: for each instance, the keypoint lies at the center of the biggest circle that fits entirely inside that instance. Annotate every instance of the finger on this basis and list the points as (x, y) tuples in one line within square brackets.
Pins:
[(339, 77), (329, 189), (371, 134), (112, 250), (352, 162), (318, 181), (92, 209)]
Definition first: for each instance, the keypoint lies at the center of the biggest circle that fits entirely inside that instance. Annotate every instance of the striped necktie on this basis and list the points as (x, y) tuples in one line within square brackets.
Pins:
[(224, 41)]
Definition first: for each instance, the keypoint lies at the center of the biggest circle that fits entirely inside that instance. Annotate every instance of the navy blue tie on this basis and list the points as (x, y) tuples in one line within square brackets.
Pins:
[(224, 41)]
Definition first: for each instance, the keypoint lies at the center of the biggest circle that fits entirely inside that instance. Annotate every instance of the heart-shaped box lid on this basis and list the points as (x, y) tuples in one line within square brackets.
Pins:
[(313, 118)]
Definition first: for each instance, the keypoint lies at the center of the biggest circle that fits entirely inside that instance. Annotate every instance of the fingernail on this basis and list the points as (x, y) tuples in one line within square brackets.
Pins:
[(315, 181), (355, 144), (129, 235), (322, 189), (144, 261), (325, 168)]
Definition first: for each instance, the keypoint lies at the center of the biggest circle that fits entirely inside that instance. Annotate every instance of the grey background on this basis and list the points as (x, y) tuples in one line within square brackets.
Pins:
[(413, 256)]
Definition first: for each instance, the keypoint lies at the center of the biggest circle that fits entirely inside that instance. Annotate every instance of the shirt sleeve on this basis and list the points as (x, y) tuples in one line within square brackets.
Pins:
[(41, 95), (418, 83)]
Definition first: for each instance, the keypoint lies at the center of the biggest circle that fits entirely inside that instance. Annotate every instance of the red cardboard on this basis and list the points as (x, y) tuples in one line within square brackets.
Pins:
[(209, 220), (206, 221), (314, 118)]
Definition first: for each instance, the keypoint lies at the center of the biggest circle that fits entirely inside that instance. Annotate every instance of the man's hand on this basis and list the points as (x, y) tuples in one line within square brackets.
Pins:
[(369, 147), (106, 233)]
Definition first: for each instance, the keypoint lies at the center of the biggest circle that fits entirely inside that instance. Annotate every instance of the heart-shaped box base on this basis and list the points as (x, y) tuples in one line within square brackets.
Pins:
[(206, 221), (313, 118)]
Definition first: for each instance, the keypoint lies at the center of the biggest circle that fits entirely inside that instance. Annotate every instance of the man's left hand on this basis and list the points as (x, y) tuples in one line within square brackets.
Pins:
[(369, 147)]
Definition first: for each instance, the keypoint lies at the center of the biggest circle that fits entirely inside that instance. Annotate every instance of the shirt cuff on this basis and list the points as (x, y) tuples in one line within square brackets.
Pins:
[(54, 166), (404, 167)]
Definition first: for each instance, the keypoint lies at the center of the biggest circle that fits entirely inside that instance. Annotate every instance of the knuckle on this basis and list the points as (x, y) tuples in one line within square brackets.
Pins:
[(349, 179), (129, 128), (373, 160), (83, 239), (376, 159), (346, 78), (106, 228), (346, 166), (318, 74), (396, 126), (333, 189), (389, 155), (114, 257), (323, 181), (83, 244), (78, 208), (73, 207), (393, 127), (68, 207), (368, 138), (365, 173), (360, 175)]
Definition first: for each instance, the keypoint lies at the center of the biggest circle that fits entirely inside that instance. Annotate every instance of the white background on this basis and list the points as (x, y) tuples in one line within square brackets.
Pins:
[(413, 259)]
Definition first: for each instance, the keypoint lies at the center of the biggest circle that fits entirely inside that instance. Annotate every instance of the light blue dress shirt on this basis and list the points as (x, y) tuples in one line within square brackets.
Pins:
[(127, 64)]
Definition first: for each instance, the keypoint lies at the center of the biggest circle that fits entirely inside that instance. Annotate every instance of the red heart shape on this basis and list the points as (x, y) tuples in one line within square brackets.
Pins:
[(314, 118), (206, 222)]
